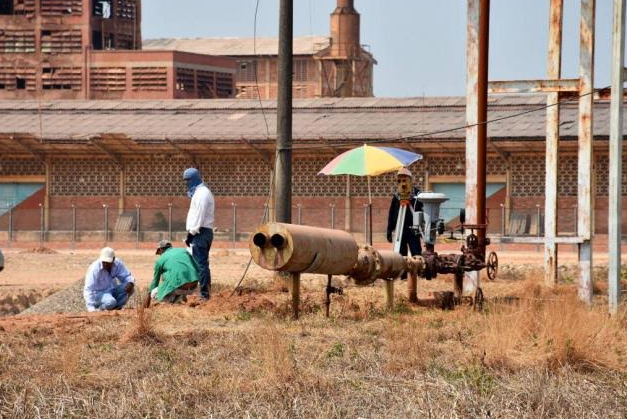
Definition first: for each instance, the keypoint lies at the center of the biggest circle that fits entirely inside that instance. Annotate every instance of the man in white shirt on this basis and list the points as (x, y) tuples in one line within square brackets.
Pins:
[(199, 226), (108, 283)]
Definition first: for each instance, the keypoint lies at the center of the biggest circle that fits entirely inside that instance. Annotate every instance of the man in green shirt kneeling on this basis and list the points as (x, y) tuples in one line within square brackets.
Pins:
[(175, 277)]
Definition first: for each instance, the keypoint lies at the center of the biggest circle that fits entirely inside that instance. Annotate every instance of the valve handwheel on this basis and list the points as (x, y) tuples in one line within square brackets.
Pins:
[(492, 266)]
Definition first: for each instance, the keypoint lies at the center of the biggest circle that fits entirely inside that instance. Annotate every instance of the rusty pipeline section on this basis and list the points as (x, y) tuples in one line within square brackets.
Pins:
[(301, 249)]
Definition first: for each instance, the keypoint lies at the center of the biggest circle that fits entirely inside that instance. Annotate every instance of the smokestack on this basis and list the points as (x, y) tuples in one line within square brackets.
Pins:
[(345, 30)]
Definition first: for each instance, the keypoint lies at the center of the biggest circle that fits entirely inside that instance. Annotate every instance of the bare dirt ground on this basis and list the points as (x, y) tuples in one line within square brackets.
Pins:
[(533, 352)]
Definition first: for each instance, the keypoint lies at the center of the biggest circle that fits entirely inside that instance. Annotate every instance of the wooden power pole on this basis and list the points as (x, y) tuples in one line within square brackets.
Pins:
[(283, 185)]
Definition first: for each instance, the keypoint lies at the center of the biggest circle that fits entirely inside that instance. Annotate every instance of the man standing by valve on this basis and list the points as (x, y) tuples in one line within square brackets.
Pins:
[(406, 195), (199, 227)]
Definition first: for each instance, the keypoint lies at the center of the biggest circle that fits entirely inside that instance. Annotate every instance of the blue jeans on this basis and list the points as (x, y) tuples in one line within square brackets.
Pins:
[(116, 299), (201, 244)]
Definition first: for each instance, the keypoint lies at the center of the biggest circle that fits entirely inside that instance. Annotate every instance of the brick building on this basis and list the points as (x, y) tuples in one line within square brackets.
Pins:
[(90, 49), (335, 66), (125, 154)]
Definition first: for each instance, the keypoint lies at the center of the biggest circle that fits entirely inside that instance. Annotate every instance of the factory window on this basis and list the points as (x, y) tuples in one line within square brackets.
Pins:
[(300, 70), (24, 7), (107, 79), (246, 71), (126, 9), (12, 78), (61, 78), (61, 42), (6, 7), (224, 85), (61, 7), (102, 8), (125, 41), (14, 40), (185, 80), (150, 78)]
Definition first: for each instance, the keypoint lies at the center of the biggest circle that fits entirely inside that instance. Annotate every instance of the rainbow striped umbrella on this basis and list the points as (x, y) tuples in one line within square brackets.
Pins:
[(369, 161)]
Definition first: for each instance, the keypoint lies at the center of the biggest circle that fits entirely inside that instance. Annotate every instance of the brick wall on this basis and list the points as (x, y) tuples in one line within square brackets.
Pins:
[(153, 183)]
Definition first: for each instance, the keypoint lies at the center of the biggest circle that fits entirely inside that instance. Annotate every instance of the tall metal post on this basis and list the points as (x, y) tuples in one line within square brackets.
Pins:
[(138, 217), (283, 169), (476, 115), (299, 214), (365, 223), (41, 225), (170, 221), (10, 238), (234, 225), (616, 156), (283, 188), (332, 216), (73, 244), (106, 223), (502, 220), (554, 66), (584, 175)]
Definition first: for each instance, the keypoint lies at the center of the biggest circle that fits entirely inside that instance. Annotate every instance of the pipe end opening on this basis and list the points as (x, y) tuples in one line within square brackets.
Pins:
[(260, 240)]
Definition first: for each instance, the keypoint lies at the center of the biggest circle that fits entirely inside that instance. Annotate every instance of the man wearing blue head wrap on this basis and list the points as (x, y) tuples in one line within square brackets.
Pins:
[(199, 226)]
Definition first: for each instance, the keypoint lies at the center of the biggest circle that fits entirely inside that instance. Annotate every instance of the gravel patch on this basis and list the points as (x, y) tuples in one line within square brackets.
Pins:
[(68, 300)]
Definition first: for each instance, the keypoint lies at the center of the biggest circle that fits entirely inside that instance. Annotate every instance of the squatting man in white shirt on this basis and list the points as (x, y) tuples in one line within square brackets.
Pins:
[(199, 226), (108, 283)]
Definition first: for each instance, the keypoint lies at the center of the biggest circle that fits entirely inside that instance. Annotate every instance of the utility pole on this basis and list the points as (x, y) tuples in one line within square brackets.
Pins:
[(283, 187), (616, 156), (283, 170)]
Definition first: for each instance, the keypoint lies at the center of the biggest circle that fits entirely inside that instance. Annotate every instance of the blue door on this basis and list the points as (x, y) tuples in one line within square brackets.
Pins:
[(456, 193), (12, 194)]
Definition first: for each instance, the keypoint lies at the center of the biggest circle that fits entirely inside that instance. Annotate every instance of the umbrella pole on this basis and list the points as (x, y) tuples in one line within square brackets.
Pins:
[(369, 213)]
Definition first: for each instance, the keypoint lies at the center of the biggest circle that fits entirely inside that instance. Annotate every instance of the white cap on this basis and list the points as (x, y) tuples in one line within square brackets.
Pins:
[(107, 254), (403, 171)]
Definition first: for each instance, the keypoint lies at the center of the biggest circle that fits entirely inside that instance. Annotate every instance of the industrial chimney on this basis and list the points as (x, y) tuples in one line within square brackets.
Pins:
[(345, 30)]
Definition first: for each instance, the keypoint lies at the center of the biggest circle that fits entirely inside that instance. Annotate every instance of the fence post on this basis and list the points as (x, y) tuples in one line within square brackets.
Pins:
[(170, 221), (234, 227), (365, 223), (73, 227), (332, 216), (502, 220), (106, 223), (538, 219), (41, 225), (138, 214), (10, 238), (300, 214)]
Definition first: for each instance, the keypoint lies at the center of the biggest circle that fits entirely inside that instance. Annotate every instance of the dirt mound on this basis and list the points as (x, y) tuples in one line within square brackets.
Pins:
[(18, 300), (68, 300), (40, 251)]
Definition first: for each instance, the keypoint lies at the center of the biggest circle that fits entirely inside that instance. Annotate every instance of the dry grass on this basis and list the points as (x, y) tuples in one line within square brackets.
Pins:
[(551, 328), (141, 329), (542, 355)]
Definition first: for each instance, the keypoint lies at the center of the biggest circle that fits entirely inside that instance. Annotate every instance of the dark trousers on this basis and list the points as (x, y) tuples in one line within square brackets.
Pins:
[(201, 244), (411, 240)]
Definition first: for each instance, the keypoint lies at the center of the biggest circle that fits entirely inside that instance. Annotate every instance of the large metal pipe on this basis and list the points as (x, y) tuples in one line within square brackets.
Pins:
[(301, 249)]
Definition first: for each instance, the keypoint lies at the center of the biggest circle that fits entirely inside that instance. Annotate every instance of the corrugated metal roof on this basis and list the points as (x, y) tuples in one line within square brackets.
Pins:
[(358, 119), (306, 45)]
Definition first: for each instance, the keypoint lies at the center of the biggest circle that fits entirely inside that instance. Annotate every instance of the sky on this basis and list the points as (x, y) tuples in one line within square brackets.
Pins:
[(420, 45)]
